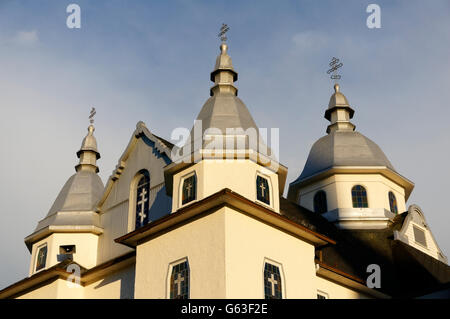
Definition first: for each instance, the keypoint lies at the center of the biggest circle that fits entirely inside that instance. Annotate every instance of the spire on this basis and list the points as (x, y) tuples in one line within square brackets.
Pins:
[(88, 153), (223, 75), (339, 112)]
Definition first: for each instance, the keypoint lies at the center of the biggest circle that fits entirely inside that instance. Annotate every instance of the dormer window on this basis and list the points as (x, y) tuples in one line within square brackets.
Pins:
[(142, 199), (262, 190), (419, 236), (320, 202), (41, 257), (359, 197), (393, 203), (189, 190)]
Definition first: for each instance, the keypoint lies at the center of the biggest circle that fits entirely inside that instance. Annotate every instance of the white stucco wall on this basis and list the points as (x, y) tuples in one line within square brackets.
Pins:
[(237, 175), (337, 291), (202, 242), (86, 249), (339, 191)]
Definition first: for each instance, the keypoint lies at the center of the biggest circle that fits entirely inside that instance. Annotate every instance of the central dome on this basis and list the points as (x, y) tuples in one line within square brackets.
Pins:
[(343, 148)]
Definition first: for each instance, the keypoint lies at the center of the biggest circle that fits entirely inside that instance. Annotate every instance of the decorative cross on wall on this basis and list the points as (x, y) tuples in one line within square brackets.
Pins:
[(178, 280), (41, 257), (188, 188), (263, 189), (142, 202), (273, 282)]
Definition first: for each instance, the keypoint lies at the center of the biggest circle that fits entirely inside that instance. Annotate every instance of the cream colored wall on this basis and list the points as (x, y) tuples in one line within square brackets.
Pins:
[(249, 243), (338, 188), (237, 175), (226, 251), (86, 249), (118, 285), (57, 289), (116, 215), (202, 242), (337, 291)]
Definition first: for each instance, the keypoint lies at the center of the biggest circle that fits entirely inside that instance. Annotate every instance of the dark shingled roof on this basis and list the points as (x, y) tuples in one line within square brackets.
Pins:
[(405, 271)]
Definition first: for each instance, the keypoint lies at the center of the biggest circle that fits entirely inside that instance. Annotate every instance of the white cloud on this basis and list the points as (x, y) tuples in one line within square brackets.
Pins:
[(310, 40), (26, 38)]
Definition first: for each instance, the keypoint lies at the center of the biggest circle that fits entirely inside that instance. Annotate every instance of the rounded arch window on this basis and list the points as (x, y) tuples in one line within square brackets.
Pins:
[(359, 197), (320, 202), (393, 203), (142, 199)]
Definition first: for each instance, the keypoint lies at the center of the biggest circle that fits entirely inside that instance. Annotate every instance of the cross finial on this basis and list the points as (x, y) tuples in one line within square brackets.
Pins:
[(223, 30), (335, 65), (91, 116)]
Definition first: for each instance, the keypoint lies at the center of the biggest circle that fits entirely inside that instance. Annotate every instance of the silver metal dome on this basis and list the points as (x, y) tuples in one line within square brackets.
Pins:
[(343, 148)]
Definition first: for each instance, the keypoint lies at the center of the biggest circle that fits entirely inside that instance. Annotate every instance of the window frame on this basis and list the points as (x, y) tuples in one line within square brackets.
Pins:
[(169, 276), (326, 201), (38, 249), (282, 277), (141, 174), (269, 185), (180, 189), (323, 294), (395, 202), (414, 226), (367, 196)]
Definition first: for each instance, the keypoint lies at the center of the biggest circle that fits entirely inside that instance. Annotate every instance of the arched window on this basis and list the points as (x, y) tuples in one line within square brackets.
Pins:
[(272, 282), (262, 190), (320, 202), (179, 281), (142, 199), (359, 197), (393, 203), (189, 191)]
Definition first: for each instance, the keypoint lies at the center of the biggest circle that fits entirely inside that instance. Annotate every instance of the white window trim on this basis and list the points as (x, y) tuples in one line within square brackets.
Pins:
[(269, 182), (324, 294), (283, 278), (180, 189), (424, 234), (132, 198), (367, 195), (169, 274)]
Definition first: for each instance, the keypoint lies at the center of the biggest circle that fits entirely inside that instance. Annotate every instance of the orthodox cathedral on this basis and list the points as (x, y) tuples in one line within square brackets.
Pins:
[(202, 222)]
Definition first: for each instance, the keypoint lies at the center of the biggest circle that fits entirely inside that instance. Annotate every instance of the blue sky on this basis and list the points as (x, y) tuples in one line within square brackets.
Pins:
[(150, 61)]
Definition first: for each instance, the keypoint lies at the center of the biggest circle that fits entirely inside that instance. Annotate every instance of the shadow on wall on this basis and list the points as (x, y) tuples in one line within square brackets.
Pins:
[(161, 206), (126, 278)]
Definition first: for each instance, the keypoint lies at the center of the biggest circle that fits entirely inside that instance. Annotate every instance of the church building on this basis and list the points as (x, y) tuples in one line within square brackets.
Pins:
[(209, 220)]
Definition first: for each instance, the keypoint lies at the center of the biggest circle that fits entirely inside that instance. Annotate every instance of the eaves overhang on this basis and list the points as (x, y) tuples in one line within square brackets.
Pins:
[(208, 205), (382, 170), (202, 154), (44, 232), (333, 274)]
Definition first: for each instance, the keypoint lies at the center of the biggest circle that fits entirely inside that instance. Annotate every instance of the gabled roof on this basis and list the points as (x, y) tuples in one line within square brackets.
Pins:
[(161, 146), (406, 271)]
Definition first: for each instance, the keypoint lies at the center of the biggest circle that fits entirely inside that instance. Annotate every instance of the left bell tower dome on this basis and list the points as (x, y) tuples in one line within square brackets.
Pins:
[(72, 226)]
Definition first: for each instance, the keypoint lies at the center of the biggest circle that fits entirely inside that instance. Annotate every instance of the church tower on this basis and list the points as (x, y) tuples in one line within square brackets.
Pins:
[(225, 150), (72, 226), (347, 178)]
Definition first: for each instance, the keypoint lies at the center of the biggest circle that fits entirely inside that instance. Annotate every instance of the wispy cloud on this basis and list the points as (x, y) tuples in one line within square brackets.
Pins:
[(26, 38)]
